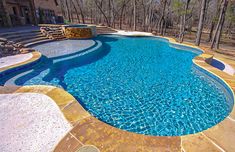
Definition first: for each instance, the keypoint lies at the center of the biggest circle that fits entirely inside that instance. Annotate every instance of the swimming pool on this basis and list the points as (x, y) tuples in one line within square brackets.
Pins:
[(140, 84)]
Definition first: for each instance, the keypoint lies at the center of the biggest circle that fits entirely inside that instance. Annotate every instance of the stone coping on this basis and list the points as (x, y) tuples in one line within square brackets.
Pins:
[(88, 130), (51, 25), (67, 25)]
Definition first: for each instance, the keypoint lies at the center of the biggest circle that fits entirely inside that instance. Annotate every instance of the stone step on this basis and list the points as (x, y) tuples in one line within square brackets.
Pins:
[(57, 35), (33, 40), (8, 34), (55, 32), (38, 42), (15, 36), (20, 39)]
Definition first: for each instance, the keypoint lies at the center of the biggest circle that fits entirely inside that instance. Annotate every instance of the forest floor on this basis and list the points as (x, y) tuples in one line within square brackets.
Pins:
[(227, 45), (226, 51)]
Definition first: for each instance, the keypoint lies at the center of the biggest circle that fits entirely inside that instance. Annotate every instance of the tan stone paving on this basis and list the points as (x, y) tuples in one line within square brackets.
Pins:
[(68, 144), (223, 134), (198, 143), (107, 138)]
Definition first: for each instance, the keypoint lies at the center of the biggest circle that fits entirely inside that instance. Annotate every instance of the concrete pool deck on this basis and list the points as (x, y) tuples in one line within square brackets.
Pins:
[(14, 59), (64, 47), (27, 120), (7, 62), (87, 130)]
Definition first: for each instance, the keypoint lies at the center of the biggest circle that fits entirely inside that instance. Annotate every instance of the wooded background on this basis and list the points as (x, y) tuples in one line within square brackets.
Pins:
[(207, 20)]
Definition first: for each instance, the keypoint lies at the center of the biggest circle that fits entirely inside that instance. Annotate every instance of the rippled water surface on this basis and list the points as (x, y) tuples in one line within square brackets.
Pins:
[(138, 84)]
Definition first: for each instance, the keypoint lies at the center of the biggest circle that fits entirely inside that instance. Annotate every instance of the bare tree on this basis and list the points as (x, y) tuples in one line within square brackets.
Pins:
[(81, 11), (171, 17), (99, 5), (76, 11), (121, 15), (200, 24), (183, 22), (219, 27), (162, 18), (134, 15), (68, 10)]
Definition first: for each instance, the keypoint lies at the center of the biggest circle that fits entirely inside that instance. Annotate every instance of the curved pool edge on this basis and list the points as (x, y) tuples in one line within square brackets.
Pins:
[(221, 136), (15, 67), (89, 130)]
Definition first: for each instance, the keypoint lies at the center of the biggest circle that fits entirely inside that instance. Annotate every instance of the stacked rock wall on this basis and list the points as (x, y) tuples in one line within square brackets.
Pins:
[(73, 33)]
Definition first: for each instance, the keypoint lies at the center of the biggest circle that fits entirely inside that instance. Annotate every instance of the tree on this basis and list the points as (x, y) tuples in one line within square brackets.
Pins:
[(200, 24), (121, 15), (177, 7), (214, 19), (99, 5), (77, 14), (81, 11), (172, 17), (183, 22), (219, 27), (230, 16), (134, 15), (68, 10), (162, 21)]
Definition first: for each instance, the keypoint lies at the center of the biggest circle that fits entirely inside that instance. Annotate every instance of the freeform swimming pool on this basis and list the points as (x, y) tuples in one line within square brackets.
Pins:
[(138, 84)]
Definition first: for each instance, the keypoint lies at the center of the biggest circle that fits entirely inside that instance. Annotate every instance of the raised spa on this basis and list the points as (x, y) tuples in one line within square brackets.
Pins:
[(139, 84)]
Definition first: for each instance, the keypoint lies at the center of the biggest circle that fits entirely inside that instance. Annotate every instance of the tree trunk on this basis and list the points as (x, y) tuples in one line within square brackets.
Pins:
[(213, 20), (182, 33), (71, 11), (62, 8), (162, 18), (163, 22), (101, 10), (130, 19), (81, 11), (211, 31), (150, 16), (200, 24), (91, 17), (68, 10), (113, 15), (219, 32), (144, 15), (76, 11), (109, 11), (219, 27), (121, 15), (134, 13)]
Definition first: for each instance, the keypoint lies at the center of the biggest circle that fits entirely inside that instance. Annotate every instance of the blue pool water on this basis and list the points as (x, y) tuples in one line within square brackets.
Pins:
[(137, 84)]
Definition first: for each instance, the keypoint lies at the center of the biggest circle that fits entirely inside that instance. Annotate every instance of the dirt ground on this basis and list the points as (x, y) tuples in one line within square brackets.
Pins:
[(227, 46)]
